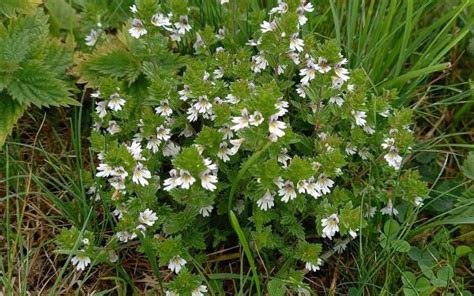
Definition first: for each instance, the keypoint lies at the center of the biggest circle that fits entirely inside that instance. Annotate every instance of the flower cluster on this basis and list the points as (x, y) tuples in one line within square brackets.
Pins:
[(279, 130)]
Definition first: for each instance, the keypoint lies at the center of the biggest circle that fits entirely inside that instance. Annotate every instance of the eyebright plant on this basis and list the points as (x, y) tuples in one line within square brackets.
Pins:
[(278, 131)]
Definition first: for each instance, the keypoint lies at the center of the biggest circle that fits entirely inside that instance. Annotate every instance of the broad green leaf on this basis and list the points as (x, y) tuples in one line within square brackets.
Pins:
[(12, 7), (61, 14), (10, 112), (35, 84), (468, 166), (463, 250)]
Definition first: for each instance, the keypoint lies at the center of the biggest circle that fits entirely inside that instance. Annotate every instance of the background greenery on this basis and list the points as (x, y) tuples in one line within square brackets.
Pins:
[(424, 49)]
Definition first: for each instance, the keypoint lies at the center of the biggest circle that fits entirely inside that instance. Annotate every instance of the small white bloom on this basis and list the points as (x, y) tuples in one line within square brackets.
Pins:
[(81, 262), (259, 63), (101, 109), (283, 157), (176, 263), (256, 118), (336, 100), (341, 72), (105, 170), (193, 114), (314, 267), (393, 158), (183, 25), (85, 241), (276, 127), (369, 129), (163, 133), (164, 109), (242, 121), (281, 8), (206, 211), (227, 132), (199, 291), (282, 107), (203, 105), (287, 191), (308, 73), (153, 144), (116, 102), (173, 181), (353, 233), (185, 179), (140, 175), (323, 66), (91, 39), (184, 93), (266, 202), (418, 201), (160, 20), (135, 149), (268, 26), (296, 43), (124, 236), (171, 149), (236, 145), (331, 226), (208, 181), (312, 188), (224, 152), (133, 8), (359, 117), (389, 209), (137, 29), (147, 217), (324, 184), (114, 128)]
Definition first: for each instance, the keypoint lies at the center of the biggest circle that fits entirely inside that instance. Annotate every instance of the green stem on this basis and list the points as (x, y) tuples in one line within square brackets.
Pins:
[(242, 172)]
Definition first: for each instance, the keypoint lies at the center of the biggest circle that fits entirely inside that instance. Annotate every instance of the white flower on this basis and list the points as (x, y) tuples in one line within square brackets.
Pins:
[(173, 181), (184, 93), (164, 109), (393, 158), (147, 217), (203, 105), (389, 209), (224, 2), (337, 82), (359, 117), (256, 118), (294, 57), (105, 170), (312, 188), (276, 127), (193, 114), (227, 131), (266, 202), (124, 236), (369, 129), (206, 211), (268, 26), (153, 144), (183, 25), (171, 149), (236, 145), (331, 226), (208, 180), (314, 267), (418, 201), (135, 149), (341, 72), (185, 179), (323, 65), (281, 8), (287, 191), (85, 241), (353, 233), (282, 107), (176, 263), (140, 175), (171, 293), (283, 157), (81, 262), (336, 100), (133, 8), (114, 128), (259, 63), (163, 133), (137, 28), (296, 43), (388, 143), (91, 39), (117, 182), (224, 152), (308, 73), (160, 20), (116, 102), (101, 109), (241, 122), (324, 184), (199, 291), (253, 42)]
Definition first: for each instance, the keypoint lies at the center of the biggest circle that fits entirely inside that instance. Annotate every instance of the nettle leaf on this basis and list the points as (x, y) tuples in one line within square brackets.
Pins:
[(210, 138), (267, 172), (11, 7), (35, 84), (57, 57), (307, 252), (168, 248), (10, 112), (111, 59), (62, 14)]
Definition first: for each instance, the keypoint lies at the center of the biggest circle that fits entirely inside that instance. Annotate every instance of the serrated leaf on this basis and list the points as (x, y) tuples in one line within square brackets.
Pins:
[(61, 14), (12, 7), (10, 112), (35, 84)]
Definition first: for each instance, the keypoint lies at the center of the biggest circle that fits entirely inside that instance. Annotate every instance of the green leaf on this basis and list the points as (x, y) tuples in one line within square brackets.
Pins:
[(391, 228), (61, 14), (35, 84), (277, 287), (12, 7), (10, 112), (468, 166), (400, 246), (463, 250)]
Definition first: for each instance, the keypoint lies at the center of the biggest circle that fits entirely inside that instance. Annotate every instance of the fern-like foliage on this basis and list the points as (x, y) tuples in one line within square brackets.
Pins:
[(32, 65)]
